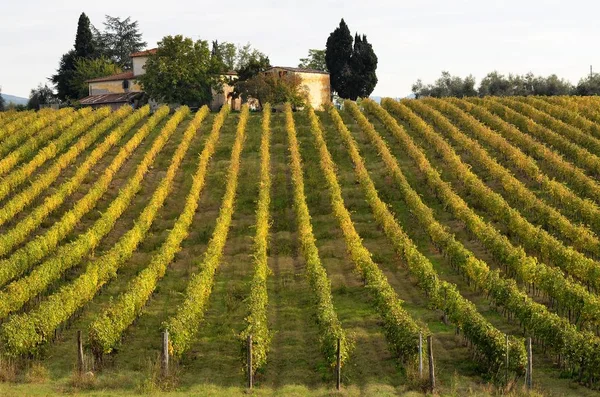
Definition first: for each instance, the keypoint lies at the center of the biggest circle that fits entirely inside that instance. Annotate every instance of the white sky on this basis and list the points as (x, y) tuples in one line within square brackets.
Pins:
[(413, 39)]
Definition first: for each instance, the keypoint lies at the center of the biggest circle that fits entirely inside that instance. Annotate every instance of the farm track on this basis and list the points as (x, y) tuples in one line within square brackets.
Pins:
[(215, 357)]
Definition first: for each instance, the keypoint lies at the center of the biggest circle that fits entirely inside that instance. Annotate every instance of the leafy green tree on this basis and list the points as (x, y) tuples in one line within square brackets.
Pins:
[(180, 72), (495, 84), (42, 95), (229, 53), (1, 101), (589, 85), (274, 89), (338, 52), (86, 69), (446, 86), (314, 60), (120, 38), (254, 65), (84, 40)]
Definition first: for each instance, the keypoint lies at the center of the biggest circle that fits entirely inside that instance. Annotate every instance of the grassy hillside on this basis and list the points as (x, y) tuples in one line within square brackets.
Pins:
[(466, 220)]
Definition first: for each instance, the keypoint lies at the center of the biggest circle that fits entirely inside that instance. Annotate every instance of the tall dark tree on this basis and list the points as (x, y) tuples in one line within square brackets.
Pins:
[(83, 49), (64, 75), (84, 40), (363, 65), (338, 52), (351, 67), (216, 59)]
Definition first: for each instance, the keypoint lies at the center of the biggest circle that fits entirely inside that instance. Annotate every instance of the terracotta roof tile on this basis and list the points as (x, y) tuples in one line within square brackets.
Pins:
[(119, 76), (144, 53)]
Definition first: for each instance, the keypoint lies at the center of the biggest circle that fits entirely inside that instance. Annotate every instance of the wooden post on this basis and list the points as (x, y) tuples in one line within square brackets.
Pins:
[(431, 365), (338, 366), (507, 360), (79, 352), (529, 376), (421, 355), (165, 354), (250, 372)]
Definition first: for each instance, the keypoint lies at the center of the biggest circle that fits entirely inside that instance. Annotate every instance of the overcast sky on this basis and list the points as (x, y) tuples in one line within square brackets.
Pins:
[(412, 39)]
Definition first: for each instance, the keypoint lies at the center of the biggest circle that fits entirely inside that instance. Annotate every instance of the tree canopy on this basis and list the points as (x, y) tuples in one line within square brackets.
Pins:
[(314, 60), (447, 85), (497, 84), (180, 72), (589, 85), (352, 63), (64, 75), (41, 95), (274, 89), (96, 52), (120, 38), (82, 48), (91, 68), (84, 40)]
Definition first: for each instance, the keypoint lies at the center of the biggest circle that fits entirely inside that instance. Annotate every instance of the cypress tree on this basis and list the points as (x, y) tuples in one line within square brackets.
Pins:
[(363, 65), (84, 40), (1, 101), (351, 67), (338, 52)]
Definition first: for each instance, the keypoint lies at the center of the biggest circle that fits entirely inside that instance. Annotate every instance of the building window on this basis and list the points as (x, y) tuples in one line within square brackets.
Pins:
[(126, 85)]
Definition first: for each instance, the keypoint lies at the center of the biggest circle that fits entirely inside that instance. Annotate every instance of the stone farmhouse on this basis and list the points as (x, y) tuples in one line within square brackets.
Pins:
[(123, 89)]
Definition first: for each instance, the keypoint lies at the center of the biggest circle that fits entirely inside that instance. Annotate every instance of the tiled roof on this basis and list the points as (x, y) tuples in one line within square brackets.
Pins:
[(119, 76), (108, 98), (298, 70), (144, 53)]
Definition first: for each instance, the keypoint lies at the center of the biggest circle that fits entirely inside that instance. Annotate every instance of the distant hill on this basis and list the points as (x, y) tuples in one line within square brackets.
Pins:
[(17, 100)]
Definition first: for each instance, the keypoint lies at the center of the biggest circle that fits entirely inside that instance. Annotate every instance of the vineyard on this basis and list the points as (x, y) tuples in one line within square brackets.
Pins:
[(300, 251)]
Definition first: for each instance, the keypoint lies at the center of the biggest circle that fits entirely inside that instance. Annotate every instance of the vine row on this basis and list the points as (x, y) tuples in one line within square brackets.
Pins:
[(257, 321), (183, 326), (24, 333), (330, 326), (560, 194), (532, 237), (21, 200), (33, 251), (580, 349), (488, 341), (108, 327), (400, 329)]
